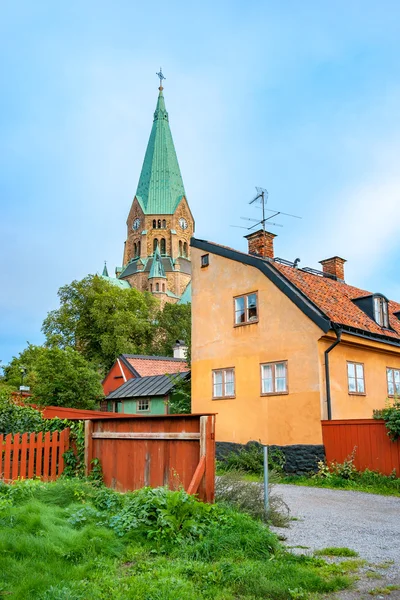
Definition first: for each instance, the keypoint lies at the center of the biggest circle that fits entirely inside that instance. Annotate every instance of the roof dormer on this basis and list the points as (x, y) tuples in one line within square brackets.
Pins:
[(376, 306)]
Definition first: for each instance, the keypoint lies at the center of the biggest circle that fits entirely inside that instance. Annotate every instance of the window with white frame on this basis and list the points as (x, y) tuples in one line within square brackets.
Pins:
[(393, 381), (223, 383), (355, 378), (274, 378), (246, 309), (381, 311), (143, 405)]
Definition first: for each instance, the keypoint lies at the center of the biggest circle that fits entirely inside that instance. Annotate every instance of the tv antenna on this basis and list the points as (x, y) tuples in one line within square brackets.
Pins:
[(261, 200)]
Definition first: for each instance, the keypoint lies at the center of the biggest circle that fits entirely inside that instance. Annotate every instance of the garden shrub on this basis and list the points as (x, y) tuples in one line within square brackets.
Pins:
[(391, 415), (344, 470), (250, 459)]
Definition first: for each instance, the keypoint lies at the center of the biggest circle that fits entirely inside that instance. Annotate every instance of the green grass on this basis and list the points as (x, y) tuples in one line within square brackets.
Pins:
[(69, 541), (332, 551), (363, 481)]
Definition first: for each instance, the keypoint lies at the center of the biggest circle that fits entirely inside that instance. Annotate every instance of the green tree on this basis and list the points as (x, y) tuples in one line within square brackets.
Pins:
[(102, 321), (173, 323), (65, 378), (57, 377)]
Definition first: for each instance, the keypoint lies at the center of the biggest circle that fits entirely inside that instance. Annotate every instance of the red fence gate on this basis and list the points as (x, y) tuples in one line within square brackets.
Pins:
[(27, 455), (374, 449), (171, 450)]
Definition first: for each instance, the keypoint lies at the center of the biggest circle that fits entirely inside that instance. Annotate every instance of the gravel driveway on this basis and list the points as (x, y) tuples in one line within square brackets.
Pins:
[(367, 523)]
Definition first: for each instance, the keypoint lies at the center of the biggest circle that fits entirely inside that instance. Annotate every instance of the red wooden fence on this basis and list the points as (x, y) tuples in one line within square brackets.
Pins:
[(374, 449), (171, 450), (27, 455)]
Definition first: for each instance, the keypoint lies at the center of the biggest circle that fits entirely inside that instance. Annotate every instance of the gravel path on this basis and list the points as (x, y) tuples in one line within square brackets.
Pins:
[(367, 523)]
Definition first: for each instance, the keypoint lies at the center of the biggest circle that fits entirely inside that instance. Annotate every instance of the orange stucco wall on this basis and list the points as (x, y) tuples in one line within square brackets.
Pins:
[(375, 358), (282, 333)]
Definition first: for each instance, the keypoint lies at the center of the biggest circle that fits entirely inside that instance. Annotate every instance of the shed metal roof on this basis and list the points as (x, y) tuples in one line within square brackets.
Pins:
[(154, 385)]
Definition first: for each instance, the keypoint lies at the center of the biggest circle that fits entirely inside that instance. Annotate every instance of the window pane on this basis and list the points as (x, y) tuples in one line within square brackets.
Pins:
[(351, 370), (391, 387), (396, 382), (252, 307), (360, 386), (217, 392), (352, 384), (360, 371), (280, 374), (385, 313), (229, 383), (377, 310), (239, 310), (266, 375)]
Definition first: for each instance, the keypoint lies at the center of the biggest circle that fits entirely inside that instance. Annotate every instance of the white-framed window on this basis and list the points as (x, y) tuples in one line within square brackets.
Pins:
[(223, 383), (205, 260), (143, 405), (355, 378), (381, 311), (274, 378), (246, 309), (393, 381)]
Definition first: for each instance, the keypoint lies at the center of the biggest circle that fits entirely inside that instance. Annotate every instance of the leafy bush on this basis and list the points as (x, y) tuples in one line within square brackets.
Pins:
[(344, 470), (391, 415), (16, 418), (250, 459)]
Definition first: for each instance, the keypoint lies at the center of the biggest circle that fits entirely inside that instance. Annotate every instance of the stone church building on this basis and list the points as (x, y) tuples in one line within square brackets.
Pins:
[(160, 224)]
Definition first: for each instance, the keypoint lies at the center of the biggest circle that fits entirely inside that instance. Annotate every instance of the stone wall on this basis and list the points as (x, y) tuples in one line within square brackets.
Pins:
[(299, 459)]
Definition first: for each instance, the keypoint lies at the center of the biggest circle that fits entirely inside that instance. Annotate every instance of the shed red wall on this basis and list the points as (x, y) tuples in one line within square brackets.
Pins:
[(114, 378)]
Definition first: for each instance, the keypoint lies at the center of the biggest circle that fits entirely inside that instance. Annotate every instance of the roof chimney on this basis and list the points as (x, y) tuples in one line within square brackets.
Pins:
[(180, 349), (261, 243), (333, 266)]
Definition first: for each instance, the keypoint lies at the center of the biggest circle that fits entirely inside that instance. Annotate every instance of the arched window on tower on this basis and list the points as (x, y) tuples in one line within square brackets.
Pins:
[(163, 287), (159, 223), (154, 223), (151, 287), (164, 224), (185, 249), (157, 287), (180, 248), (134, 250), (138, 249), (162, 246), (155, 244)]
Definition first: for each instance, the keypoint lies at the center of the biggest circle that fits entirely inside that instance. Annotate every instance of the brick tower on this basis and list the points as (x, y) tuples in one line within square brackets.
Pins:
[(160, 223)]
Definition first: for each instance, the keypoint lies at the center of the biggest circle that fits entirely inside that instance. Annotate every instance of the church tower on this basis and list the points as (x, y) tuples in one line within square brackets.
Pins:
[(160, 223)]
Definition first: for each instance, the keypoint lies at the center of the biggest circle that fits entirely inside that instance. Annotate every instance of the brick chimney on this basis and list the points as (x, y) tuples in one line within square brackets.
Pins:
[(333, 266), (260, 245)]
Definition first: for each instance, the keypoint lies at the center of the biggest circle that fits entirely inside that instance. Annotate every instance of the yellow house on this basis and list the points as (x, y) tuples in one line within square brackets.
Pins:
[(276, 348)]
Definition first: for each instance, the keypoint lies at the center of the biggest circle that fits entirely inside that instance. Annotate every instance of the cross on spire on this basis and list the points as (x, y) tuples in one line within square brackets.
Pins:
[(161, 77)]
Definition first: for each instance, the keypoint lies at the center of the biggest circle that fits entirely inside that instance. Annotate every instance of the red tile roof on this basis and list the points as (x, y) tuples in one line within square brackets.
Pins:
[(156, 365), (334, 299)]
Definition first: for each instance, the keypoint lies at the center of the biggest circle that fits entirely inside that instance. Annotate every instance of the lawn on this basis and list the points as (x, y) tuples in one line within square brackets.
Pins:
[(68, 540), (361, 481)]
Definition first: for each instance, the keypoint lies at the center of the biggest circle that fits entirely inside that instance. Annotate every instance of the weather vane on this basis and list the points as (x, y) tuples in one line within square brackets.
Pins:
[(161, 77)]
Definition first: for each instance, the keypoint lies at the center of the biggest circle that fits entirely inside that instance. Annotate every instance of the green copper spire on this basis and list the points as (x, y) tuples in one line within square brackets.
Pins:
[(160, 187), (105, 270), (157, 269)]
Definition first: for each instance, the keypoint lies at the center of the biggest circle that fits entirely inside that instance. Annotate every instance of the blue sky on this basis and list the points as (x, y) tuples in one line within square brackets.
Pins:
[(301, 98)]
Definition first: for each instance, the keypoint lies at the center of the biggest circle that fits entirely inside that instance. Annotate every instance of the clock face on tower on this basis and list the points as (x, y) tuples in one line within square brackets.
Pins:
[(136, 224), (183, 223)]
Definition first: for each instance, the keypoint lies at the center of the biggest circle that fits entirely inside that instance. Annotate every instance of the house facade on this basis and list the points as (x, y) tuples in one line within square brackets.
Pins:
[(277, 348)]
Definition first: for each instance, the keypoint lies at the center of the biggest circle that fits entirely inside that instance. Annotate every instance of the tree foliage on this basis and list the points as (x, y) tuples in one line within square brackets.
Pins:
[(391, 415), (57, 377), (101, 321), (173, 323)]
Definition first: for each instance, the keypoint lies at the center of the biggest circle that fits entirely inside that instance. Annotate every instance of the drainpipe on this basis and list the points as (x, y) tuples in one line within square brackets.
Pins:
[(338, 332)]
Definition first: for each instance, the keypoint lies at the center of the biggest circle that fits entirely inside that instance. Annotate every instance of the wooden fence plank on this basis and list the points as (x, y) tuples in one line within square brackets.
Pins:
[(197, 477), (88, 445), (210, 459), (39, 454), (31, 463), (15, 458), (1, 455), (24, 455), (7, 457), (46, 459), (53, 455)]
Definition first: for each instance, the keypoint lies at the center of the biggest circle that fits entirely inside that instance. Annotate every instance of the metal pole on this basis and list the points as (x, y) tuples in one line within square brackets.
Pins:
[(266, 500)]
